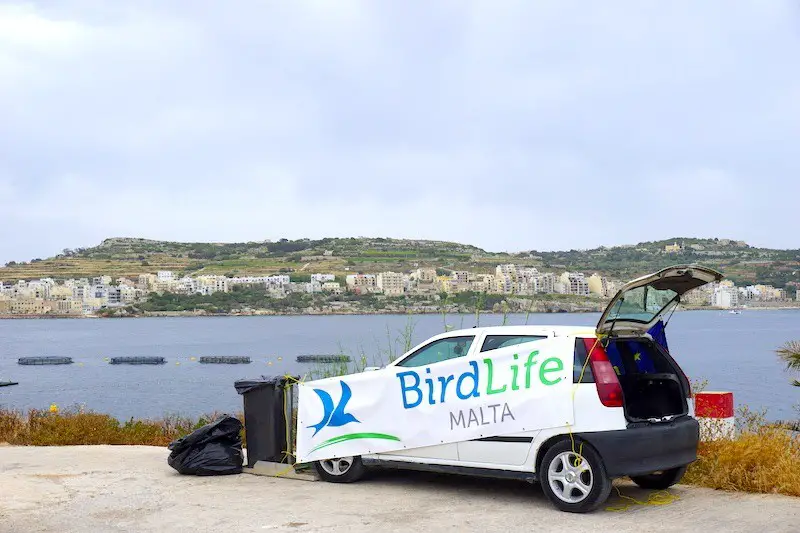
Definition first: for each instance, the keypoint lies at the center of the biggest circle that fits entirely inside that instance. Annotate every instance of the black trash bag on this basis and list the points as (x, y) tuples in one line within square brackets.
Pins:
[(212, 450)]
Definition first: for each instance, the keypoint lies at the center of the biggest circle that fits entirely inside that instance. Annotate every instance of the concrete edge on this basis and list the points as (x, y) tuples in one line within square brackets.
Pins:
[(279, 470)]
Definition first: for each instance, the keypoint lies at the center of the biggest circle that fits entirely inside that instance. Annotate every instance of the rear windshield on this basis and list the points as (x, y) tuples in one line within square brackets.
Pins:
[(641, 304)]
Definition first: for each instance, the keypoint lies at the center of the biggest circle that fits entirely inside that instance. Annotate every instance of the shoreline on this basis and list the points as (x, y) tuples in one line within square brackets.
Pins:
[(339, 312)]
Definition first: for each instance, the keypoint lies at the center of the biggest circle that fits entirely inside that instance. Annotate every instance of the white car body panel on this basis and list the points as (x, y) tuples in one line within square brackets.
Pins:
[(590, 414), (489, 454)]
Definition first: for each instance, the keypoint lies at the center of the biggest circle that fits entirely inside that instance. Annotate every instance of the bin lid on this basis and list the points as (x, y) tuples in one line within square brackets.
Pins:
[(247, 385)]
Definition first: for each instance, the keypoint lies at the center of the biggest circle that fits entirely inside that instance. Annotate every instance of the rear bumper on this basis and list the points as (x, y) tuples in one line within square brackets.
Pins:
[(642, 450)]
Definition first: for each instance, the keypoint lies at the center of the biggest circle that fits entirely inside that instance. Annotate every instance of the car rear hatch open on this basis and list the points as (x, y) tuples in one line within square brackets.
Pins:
[(641, 303), (654, 387)]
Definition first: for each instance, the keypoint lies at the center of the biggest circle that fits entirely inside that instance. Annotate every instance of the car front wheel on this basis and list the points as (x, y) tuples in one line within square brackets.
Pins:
[(574, 482), (660, 480), (340, 469)]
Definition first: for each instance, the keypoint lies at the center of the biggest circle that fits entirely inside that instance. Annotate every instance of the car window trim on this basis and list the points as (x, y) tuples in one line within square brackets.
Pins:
[(538, 336), (400, 362)]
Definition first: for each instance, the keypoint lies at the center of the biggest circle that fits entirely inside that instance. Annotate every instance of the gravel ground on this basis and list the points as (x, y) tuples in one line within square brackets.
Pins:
[(131, 488)]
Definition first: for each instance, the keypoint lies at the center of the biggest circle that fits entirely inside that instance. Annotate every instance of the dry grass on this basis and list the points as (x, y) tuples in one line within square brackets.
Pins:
[(754, 462), (763, 457), (79, 427)]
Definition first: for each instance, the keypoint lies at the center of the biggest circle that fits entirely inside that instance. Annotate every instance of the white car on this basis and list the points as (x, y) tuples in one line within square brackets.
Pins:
[(633, 414)]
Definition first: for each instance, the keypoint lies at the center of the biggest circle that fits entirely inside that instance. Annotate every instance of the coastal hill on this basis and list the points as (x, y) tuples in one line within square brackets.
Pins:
[(741, 262)]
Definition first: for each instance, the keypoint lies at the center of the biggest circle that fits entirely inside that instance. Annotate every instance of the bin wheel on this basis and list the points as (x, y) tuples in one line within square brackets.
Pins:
[(340, 469)]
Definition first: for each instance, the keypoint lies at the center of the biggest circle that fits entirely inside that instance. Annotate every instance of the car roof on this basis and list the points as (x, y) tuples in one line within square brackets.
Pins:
[(530, 329)]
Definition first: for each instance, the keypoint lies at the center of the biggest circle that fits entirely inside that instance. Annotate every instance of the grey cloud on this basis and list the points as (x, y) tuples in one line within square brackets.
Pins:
[(510, 125)]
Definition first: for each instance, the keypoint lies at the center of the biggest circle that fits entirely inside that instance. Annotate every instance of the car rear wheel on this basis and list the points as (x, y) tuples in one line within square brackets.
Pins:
[(660, 480), (340, 469), (574, 482)]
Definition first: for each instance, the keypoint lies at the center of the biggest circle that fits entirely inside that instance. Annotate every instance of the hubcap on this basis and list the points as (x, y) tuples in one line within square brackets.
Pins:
[(337, 467), (570, 477)]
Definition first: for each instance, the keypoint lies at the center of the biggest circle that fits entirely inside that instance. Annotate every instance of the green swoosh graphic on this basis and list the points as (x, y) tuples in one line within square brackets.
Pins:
[(353, 436)]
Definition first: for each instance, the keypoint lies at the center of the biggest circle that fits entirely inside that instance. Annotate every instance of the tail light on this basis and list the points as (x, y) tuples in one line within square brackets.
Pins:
[(605, 379)]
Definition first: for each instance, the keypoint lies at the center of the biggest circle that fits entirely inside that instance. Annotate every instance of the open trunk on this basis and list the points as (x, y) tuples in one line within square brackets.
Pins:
[(653, 386)]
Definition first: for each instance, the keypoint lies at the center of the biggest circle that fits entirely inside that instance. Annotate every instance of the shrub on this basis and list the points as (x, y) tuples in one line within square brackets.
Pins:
[(763, 461), (79, 427)]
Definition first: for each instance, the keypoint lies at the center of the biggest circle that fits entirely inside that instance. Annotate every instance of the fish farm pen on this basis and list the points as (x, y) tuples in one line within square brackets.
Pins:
[(333, 358), (137, 361), (225, 360), (49, 360), (8, 383)]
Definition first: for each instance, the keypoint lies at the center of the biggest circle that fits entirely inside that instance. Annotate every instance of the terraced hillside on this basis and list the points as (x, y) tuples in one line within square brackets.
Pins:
[(127, 256)]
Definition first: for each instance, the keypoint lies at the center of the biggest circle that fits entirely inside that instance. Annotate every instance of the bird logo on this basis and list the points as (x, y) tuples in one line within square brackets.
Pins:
[(334, 417)]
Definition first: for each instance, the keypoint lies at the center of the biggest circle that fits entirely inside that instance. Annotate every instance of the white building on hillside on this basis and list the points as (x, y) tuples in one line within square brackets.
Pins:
[(211, 284), (424, 275), (574, 283), (725, 296), (460, 276), (507, 270), (545, 283), (598, 285), (361, 283), (391, 283)]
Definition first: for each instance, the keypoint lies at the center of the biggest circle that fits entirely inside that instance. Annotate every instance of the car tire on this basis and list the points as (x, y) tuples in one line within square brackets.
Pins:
[(340, 469), (660, 480), (574, 489)]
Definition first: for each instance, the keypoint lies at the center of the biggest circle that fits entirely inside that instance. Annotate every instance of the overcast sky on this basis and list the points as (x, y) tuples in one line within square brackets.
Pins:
[(510, 125)]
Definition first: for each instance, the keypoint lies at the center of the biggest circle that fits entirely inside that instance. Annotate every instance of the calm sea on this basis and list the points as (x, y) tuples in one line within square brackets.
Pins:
[(733, 352)]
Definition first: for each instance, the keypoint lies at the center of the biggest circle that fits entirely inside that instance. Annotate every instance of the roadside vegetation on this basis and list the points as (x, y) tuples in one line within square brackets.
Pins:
[(76, 426), (762, 457)]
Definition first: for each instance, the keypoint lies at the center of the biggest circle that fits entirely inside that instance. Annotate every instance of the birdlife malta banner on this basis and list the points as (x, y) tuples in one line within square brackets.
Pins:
[(499, 392)]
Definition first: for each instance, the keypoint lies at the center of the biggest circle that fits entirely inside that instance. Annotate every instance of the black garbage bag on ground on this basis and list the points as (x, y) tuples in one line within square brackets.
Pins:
[(212, 450)]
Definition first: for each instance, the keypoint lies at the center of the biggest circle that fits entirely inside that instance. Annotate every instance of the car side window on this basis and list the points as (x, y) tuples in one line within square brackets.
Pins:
[(493, 342), (438, 351), (581, 369)]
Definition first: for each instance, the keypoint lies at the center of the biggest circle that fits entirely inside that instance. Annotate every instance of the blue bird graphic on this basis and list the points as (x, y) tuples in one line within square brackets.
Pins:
[(334, 417)]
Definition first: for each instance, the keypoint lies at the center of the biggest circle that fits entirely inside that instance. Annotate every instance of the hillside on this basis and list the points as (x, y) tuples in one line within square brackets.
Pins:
[(126, 256), (740, 262)]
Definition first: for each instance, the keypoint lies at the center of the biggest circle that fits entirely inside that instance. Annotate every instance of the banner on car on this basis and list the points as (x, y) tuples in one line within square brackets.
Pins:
[(499, 392)]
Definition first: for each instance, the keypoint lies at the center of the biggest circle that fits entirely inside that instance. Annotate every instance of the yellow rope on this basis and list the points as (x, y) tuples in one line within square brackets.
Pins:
[(657, 497), (579, 451), (660, 497), (287, 414)]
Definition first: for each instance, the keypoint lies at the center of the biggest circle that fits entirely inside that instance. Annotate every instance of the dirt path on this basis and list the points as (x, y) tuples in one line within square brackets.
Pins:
[(131, 488)]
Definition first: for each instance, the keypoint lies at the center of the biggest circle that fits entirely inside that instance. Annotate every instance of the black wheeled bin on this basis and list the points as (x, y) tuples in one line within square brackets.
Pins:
[(268, 405)]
